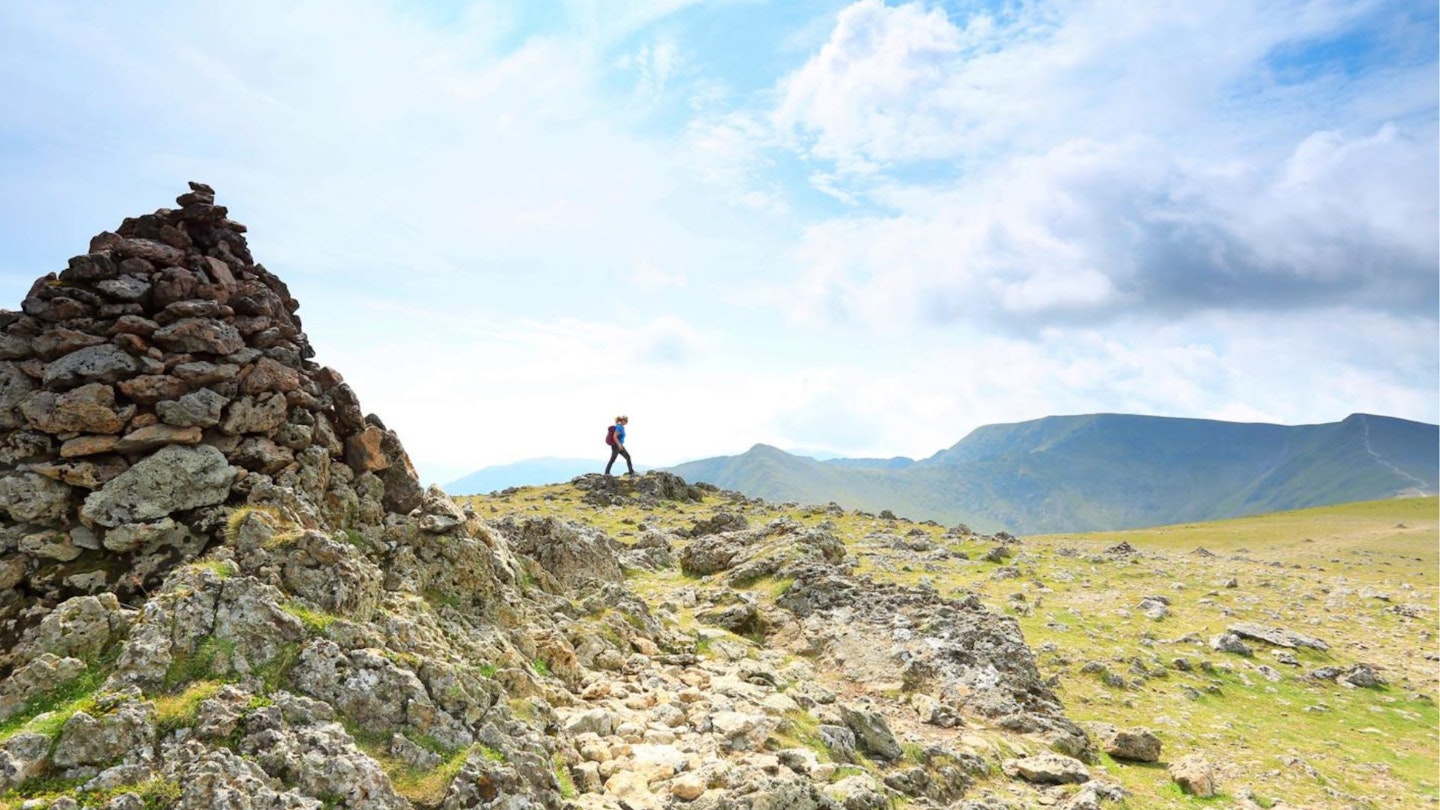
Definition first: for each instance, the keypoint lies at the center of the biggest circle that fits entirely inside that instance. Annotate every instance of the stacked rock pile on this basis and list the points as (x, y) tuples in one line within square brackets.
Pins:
[(158, 379)]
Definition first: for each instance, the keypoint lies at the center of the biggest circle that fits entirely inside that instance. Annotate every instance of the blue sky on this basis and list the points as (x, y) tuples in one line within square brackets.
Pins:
[(860, 228)]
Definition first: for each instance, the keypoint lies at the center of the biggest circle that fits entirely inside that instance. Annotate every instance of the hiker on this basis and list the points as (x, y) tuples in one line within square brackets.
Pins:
[(615, 437)]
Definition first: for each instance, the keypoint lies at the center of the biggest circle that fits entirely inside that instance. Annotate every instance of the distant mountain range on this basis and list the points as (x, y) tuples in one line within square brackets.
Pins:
[(1106, 471)]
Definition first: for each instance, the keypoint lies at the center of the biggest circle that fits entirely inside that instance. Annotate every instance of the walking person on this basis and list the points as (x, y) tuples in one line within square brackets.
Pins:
[(615, 437)]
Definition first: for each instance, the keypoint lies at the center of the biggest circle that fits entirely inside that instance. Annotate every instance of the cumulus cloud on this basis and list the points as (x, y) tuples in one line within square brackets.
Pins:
[(1088, 161)]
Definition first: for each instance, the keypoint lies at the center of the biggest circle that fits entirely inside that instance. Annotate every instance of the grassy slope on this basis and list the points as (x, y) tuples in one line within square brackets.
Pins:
[(1312, 744), (1318, 571)]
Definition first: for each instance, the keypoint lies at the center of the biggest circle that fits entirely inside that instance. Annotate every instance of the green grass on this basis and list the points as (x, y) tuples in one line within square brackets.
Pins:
[(47, 712), (178, 711), (199, 665), (315, 621), (563, 778)]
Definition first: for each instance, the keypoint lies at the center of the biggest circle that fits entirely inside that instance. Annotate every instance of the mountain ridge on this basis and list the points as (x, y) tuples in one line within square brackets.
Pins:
[(1108, 471)]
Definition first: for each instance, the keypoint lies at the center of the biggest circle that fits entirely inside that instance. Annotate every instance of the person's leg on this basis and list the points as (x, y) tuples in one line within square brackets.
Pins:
[(614, 454), (626, 454)]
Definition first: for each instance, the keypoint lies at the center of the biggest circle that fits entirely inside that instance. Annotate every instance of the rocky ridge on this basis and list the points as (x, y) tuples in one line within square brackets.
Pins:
[(224, 587)]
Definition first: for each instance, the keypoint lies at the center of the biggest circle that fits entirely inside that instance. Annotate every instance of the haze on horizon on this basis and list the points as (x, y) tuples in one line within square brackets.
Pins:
[(861, 228)]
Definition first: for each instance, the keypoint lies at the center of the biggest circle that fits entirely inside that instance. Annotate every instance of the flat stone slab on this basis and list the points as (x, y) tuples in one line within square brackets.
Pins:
[(1278, 636)]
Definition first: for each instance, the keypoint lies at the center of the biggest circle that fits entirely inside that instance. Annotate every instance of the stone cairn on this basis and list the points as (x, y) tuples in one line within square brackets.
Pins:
[(160, 379)]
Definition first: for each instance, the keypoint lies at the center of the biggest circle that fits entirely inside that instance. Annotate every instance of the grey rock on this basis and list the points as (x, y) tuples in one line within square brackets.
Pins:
[(15, 387), (80, 627), (261, 414), (127, 289), (840, 741), (107, 363), (1048, 769), (439, 514), (1363, 676), (1138, 744), (872, 733), (858, 792), (125, 733), (162, 533), (31, 498), (1278, 636), (22, 756), (36, 678), (171, 479), (1230, 643), (50, 544), (200, 408)]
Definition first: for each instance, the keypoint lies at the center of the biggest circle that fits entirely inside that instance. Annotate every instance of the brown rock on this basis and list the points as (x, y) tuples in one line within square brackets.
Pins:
[(145, 419), (149, 438), (149, 250), (324, 436), (269, 375), (88, 446), (363, 451), (135, 266), (134, 344), (199, 335), (328, 378), (220, 272), (91, 474), (87, 409), (134, 325), (1195, 775), (105, 240), (173, 284), (149, 389), (61, 341), (195, 308)]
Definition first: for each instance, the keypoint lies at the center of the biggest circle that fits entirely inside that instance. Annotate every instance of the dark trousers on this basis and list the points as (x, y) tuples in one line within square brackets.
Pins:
[(615, 452)]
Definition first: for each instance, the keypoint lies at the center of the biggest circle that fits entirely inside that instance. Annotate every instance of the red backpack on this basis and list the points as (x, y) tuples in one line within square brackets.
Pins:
[(610, 436)]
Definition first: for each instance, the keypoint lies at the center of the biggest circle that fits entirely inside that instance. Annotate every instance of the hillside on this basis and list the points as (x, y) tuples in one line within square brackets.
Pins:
[(1159, 631), (1108, 471)]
